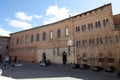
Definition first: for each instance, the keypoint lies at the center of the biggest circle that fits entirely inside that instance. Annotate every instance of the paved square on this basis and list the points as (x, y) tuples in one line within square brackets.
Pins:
[(33, 71)]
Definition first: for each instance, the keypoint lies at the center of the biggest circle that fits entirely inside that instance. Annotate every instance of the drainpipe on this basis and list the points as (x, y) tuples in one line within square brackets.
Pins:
[(73, 39)]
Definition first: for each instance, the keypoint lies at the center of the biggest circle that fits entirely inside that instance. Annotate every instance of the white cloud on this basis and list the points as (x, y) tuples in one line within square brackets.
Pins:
[(23, 16), (54, 14), (4, 32), (22, 20), (20, 24), (37, 16)]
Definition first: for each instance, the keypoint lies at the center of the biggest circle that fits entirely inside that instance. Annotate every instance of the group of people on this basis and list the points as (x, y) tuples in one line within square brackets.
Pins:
[(9, 62)]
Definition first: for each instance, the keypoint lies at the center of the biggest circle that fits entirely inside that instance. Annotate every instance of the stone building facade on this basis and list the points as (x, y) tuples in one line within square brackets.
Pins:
[(89, 37), (4, 47)]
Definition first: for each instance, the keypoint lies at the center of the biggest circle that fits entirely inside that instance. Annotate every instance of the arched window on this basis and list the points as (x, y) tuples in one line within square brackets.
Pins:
[(37, 37), (51, 35), (44, 35), (97, 24), (58, 33), (85, 58), (32, 38), (66, 31), (105, 22), (17, 41)]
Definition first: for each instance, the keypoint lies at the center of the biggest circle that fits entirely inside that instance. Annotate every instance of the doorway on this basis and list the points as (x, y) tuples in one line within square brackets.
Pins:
[(44, 57), (64, 58), (15, 59), (0, 58)]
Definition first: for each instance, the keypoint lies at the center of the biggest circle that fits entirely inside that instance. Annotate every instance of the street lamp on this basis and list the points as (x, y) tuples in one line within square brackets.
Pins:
[(70, 42)]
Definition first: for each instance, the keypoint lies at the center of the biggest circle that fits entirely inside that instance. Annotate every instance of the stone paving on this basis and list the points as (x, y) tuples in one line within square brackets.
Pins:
[(33, 71)]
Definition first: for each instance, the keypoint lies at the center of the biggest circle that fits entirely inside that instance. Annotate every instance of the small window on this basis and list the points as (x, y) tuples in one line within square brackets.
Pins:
[(90, 26), (66, 31), (90, 42), (37, 37), (32, 38), (85, 58), (78, 29), (58, 33), (117, 38), (51, 35), (100, 59), (17, 41), (44, 35), (26, 38), (21, 40), (110, 60), (76, 43), (108, 39), (79, 43), (99, 41), (97, 23), (84, 43), (105, 22), (83, 28)]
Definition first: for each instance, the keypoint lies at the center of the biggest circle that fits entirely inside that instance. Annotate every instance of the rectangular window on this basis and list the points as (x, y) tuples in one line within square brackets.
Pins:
[(26, 39), (58, 33), (17, 41), (51, 35), (83, 28), (108, 39), (21, 40), (32, 38), (90, 26), (97, 23), (83, 43), (37, 37), (90, 42), (79, 43), (66, 31), (76, 43), (111, 60), (100, 59), (44, 35), (105, 22)]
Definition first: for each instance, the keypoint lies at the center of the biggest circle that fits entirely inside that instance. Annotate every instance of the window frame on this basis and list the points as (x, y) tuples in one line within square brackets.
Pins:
[(66, 31), (58, 33), (44, 36), (51, 35), (37, 37)]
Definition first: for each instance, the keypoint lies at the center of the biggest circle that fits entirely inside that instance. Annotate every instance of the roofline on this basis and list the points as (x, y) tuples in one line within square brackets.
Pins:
[(4, 36), (116, 14), (63, 19)]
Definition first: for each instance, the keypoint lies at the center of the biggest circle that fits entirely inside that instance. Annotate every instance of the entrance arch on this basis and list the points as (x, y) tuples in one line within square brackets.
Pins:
[(43, 56), (64, 58)]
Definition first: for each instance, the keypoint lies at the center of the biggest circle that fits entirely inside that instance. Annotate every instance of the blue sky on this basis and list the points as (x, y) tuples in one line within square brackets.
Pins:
[(17, 15)]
